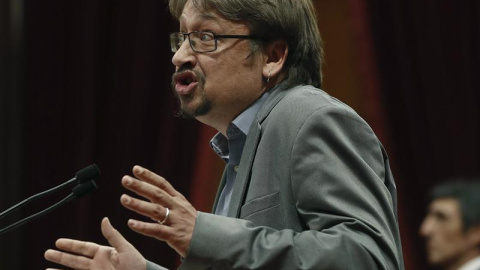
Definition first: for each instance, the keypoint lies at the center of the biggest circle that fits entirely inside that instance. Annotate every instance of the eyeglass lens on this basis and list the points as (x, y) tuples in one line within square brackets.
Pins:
[(199, 41)]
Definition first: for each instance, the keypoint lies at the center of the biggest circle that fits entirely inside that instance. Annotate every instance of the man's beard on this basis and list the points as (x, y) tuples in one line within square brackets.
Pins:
[(201, 109)]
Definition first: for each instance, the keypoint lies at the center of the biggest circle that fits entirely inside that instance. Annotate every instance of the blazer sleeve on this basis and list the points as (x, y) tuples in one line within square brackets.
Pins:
[(338, 172)]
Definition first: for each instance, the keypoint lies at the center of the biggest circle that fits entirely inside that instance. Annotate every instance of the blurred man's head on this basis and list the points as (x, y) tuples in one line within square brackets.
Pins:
[(451, 228)]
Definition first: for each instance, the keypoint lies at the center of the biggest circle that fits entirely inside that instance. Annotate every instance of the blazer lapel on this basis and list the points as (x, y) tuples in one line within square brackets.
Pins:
[(244, 171), (248, 155)]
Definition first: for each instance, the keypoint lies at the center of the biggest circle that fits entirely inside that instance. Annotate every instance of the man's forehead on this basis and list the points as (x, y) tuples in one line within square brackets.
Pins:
[(196, 16), (445, 205)]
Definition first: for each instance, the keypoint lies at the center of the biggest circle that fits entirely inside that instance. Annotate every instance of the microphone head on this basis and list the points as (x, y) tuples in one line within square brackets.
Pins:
[(91, 172), (83, 189)]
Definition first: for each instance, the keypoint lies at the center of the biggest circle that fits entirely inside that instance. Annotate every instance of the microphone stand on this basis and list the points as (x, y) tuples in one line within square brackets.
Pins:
[(36, 197), (84, 175), (78, 191)]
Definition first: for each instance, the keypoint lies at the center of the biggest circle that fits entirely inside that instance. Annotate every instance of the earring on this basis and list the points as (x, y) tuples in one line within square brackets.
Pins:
[(269, 74)]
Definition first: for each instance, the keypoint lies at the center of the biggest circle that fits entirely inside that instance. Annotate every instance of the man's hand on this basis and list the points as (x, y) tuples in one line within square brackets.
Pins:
[(86, 255), (175, 225)]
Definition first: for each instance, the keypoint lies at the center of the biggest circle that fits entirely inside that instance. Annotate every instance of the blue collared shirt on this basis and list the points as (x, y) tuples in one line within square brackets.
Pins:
[(230, 149)]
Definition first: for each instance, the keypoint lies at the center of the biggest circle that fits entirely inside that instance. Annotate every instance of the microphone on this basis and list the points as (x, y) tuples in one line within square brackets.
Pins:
[(88, 173), (78, 191), (83, 189)]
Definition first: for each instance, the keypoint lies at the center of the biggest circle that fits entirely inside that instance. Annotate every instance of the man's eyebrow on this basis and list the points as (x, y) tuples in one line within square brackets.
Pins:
[(440, 215)]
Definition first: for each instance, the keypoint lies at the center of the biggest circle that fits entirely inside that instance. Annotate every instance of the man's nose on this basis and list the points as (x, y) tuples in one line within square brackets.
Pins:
[(425, 227), (184, 55)]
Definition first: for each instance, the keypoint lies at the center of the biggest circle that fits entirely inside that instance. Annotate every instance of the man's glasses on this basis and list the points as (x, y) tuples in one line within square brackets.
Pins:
[(200, 41)]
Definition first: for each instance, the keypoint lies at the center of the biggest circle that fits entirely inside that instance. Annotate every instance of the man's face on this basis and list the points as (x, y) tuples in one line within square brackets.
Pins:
[(215, 87), (446, 241)]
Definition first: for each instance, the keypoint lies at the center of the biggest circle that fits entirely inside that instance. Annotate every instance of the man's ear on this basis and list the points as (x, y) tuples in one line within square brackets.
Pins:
[(276, 55)]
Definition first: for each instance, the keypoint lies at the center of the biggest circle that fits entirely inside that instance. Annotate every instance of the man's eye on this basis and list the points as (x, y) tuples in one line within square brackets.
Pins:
[(206, 37)]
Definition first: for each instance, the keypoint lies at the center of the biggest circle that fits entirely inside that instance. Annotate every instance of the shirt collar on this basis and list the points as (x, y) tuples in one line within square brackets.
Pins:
[(245, 119), (219, 143)]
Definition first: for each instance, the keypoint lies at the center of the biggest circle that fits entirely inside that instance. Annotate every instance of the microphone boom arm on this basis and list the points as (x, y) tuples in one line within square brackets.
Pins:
[(78, 191), (36, 197)]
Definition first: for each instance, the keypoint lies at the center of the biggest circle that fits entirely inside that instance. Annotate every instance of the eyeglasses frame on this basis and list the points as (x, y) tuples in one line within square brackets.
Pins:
[(215, 38)]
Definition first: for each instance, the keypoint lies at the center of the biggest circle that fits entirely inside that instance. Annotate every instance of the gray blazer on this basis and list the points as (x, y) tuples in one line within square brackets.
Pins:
[(314, 190)]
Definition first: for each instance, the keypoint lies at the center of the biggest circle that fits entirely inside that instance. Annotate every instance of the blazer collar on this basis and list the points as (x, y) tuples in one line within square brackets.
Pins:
[(277, 94), (245, 169)]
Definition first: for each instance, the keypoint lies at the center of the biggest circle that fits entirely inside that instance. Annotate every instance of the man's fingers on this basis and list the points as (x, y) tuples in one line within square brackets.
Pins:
[(114, 237), (151, 210), (163, 233), (154, 179), (180, 243), (78, 247), (147, 190), (66, 259)]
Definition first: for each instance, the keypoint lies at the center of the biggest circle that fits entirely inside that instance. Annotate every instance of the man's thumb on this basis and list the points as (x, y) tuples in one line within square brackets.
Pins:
[(114, 237)]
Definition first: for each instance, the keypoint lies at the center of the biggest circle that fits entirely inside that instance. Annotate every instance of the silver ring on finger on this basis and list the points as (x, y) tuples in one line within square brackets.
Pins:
[(166, 216)]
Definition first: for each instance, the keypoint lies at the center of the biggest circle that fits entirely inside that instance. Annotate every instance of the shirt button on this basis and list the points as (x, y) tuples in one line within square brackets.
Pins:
[(236, 168)]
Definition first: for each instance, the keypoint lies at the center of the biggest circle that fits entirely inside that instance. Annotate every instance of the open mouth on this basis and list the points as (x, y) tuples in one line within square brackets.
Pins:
[(185, 82), (186, 78)]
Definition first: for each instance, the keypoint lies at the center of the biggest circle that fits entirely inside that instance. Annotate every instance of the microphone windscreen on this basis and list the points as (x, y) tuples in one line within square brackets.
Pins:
[(91, 172), (83, 189)]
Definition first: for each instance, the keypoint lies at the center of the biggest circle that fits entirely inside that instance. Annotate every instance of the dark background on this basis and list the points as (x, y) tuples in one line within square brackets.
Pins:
[(88, 81)]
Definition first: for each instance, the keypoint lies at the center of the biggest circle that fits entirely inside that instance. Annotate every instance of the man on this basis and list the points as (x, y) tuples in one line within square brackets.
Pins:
[(307, 184), (452, 226)]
